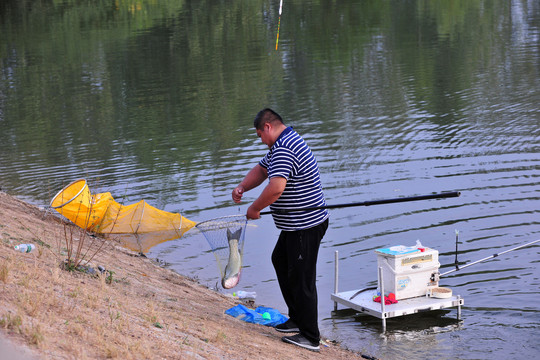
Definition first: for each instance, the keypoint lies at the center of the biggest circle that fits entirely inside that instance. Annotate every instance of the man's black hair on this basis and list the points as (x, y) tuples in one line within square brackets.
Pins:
[(265, 116)]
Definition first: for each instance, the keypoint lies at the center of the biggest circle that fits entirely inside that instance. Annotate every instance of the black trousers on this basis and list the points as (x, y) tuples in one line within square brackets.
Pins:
[(295, 261)]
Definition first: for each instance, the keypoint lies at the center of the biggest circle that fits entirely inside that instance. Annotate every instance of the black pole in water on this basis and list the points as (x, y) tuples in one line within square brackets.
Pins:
[(371, 202), (456, 260)]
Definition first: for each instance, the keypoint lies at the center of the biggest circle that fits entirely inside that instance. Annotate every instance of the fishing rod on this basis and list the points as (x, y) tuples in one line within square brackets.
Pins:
[(442, 195), (489, 257)]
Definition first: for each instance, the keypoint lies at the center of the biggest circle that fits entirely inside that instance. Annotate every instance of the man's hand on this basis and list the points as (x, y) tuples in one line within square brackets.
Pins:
[(237, 193), (253, 213), (254, 178)]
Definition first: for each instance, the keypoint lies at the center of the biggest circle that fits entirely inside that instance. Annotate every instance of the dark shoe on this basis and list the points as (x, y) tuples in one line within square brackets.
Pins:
[(300, 340), (287, 327)]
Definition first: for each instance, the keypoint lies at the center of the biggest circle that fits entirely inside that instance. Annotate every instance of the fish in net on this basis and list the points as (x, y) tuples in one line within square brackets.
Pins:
[(226, 238)]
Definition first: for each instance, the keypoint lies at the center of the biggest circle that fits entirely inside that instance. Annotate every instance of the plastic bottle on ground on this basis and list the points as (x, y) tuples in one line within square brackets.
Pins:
[(245, 294), (25, 248)]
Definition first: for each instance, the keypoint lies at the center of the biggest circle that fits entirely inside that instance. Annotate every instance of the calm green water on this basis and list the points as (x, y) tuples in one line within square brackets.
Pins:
[(154, 100)]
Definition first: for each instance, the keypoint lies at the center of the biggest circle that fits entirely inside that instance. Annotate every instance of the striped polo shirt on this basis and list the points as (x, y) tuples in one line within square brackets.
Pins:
[(291, 158)]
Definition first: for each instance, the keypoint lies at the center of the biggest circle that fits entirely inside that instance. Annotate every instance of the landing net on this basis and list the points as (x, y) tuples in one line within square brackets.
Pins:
[(218, 233)]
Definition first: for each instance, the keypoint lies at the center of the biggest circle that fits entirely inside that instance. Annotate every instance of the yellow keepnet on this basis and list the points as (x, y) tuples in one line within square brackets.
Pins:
[(100, 213)]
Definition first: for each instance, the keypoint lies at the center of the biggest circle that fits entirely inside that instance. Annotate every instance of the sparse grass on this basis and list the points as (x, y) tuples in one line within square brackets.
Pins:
[(220, 337), (111, 351), (74, 293), (41, 243), (11, 322), (109, 277), (4, 271), (114, 314), (36, 335), (5, 238), (158, 325), (76, 330), (31, 303)]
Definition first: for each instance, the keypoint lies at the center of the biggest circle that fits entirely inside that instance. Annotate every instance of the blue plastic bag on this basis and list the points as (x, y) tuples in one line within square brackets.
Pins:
[(261, 315)]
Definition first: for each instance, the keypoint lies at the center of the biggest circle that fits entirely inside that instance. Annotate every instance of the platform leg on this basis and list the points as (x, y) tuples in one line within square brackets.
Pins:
[(459, 307), (381, 290), (336, 273)]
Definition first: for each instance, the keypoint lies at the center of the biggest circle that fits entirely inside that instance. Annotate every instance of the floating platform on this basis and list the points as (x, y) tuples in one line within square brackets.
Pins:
[(362, 301)]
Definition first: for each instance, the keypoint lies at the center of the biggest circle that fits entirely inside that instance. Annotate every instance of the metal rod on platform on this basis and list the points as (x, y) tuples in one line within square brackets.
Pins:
[(489, 257), (336, 276), (381, 289), (369, 203)]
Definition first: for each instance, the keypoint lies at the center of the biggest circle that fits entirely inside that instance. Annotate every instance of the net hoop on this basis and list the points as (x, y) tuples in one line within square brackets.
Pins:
[(85, 186), (223, 222)]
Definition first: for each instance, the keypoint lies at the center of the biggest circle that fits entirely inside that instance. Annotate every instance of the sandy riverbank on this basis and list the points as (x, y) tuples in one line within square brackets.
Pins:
[(137, 311)]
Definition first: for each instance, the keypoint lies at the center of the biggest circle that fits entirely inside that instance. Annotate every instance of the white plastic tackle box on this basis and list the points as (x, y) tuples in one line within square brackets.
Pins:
[(407, 271)]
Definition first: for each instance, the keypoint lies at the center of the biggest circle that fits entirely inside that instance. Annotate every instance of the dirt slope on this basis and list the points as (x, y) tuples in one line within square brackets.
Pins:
[(135, 310)]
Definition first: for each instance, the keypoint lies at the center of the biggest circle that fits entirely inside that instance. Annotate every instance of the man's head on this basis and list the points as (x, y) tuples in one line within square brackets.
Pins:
[(266, 116), (268, 125)]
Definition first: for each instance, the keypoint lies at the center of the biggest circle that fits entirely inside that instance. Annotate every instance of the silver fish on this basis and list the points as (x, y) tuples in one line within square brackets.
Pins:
[(234, 265)]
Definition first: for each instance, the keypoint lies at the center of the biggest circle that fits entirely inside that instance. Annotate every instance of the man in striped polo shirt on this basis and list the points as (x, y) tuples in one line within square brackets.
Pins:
[(294, 183)]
